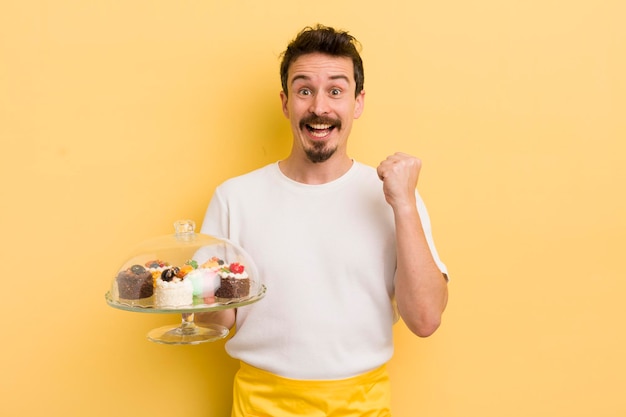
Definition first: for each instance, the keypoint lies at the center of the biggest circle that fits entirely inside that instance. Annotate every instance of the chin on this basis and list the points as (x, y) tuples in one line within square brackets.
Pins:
[(318, 158), (319, 154)]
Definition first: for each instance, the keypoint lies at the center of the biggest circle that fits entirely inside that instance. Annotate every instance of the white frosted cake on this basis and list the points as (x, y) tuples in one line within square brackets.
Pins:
[(172, 291)]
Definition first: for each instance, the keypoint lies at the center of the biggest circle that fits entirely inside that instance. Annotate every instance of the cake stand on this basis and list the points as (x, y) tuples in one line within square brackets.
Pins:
[(187, 332), (183, 249)]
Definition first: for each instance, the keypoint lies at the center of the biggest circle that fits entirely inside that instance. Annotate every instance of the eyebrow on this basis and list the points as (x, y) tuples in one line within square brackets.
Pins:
[(332, 77)]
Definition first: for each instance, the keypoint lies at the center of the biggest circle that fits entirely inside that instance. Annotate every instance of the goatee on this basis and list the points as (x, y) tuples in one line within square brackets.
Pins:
[(318, 152)]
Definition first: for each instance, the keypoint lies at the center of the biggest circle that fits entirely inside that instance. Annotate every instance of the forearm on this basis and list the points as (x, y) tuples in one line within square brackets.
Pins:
[(420, 287), (225, 318)]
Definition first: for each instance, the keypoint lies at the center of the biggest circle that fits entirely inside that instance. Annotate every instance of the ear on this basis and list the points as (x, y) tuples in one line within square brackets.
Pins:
[(283, 99), (359, 105)]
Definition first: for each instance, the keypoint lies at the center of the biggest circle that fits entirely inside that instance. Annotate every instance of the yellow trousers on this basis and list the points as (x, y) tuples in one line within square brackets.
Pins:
[(258, 393)]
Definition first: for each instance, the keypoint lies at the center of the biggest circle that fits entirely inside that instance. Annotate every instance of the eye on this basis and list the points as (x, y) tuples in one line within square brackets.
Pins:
[(335, 92), (304, 92)]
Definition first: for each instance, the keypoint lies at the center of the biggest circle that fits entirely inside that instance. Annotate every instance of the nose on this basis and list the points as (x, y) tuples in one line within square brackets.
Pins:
[(319, 105)]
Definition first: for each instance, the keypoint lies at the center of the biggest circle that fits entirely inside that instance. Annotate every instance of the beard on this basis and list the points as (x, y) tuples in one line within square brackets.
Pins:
[(318, 151)]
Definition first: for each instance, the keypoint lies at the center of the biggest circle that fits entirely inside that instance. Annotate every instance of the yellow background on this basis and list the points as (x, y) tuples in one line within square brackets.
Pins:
[(119, 117)]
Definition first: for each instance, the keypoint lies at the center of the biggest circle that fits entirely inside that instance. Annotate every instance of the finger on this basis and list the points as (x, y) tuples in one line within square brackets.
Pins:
[(380, 173)]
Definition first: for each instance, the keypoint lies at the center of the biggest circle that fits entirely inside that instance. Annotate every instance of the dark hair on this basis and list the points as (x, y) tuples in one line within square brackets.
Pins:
[(325, 40)]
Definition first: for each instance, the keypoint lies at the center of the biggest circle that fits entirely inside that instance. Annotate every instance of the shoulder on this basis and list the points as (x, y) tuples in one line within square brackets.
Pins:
[(249, 179), (366, 175), (365, 169)]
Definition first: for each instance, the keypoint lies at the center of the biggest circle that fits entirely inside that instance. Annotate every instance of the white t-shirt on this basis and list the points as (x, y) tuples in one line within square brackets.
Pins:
[(326, 254)]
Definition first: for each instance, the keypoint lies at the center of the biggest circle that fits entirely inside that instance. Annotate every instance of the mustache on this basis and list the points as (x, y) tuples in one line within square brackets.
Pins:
[(315, 120)]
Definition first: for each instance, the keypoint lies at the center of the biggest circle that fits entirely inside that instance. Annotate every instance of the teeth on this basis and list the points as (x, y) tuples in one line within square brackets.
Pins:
[(318, 134), (320, 127)]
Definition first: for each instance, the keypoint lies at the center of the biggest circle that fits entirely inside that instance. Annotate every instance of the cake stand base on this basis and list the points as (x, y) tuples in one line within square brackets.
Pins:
[(187, 333)]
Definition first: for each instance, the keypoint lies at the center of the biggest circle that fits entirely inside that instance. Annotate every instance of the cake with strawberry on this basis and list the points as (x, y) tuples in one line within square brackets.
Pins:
[(234, 282), (173, 289)]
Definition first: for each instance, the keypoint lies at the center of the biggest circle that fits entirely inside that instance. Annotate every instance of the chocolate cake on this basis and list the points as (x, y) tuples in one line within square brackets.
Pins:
[(233, 287), (135, 283), (234, 282)]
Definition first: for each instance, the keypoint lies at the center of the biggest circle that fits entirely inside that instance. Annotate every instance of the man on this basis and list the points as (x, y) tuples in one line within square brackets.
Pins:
[(338, 245)]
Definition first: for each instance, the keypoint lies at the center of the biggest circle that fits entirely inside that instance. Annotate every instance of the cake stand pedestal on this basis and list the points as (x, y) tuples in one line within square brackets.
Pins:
[(188, 332)]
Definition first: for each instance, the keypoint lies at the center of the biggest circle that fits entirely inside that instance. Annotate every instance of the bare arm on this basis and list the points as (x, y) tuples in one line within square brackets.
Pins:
[(420, 288), (225, 318)]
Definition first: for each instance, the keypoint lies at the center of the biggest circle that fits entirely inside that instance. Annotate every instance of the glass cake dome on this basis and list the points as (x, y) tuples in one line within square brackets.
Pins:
[(186, 273)]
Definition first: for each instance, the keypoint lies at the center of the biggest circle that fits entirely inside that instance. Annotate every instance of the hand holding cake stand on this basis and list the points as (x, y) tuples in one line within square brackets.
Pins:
[(186, 273)]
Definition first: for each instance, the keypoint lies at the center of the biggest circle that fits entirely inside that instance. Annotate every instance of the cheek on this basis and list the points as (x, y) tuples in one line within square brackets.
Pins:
[(295, 111)]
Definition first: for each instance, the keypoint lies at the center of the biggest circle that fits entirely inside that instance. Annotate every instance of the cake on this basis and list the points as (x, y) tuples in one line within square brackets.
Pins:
[(214, 263), (204, 281), (156, 268), (234, 282), (185, 285), (135, 283), (173, 290)]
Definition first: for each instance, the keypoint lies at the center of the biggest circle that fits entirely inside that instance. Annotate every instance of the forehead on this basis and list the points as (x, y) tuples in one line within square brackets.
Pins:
[(316, 66)]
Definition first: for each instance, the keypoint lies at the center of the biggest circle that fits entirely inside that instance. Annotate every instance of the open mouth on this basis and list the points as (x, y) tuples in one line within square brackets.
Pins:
[(320, 127), (319, 130)]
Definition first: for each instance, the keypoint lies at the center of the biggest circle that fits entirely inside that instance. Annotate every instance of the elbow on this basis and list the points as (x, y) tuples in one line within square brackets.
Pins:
[(423, 320), (424, 327)]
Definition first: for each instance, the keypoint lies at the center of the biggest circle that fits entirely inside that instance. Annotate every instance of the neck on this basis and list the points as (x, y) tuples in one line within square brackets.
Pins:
[(304, 171)]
